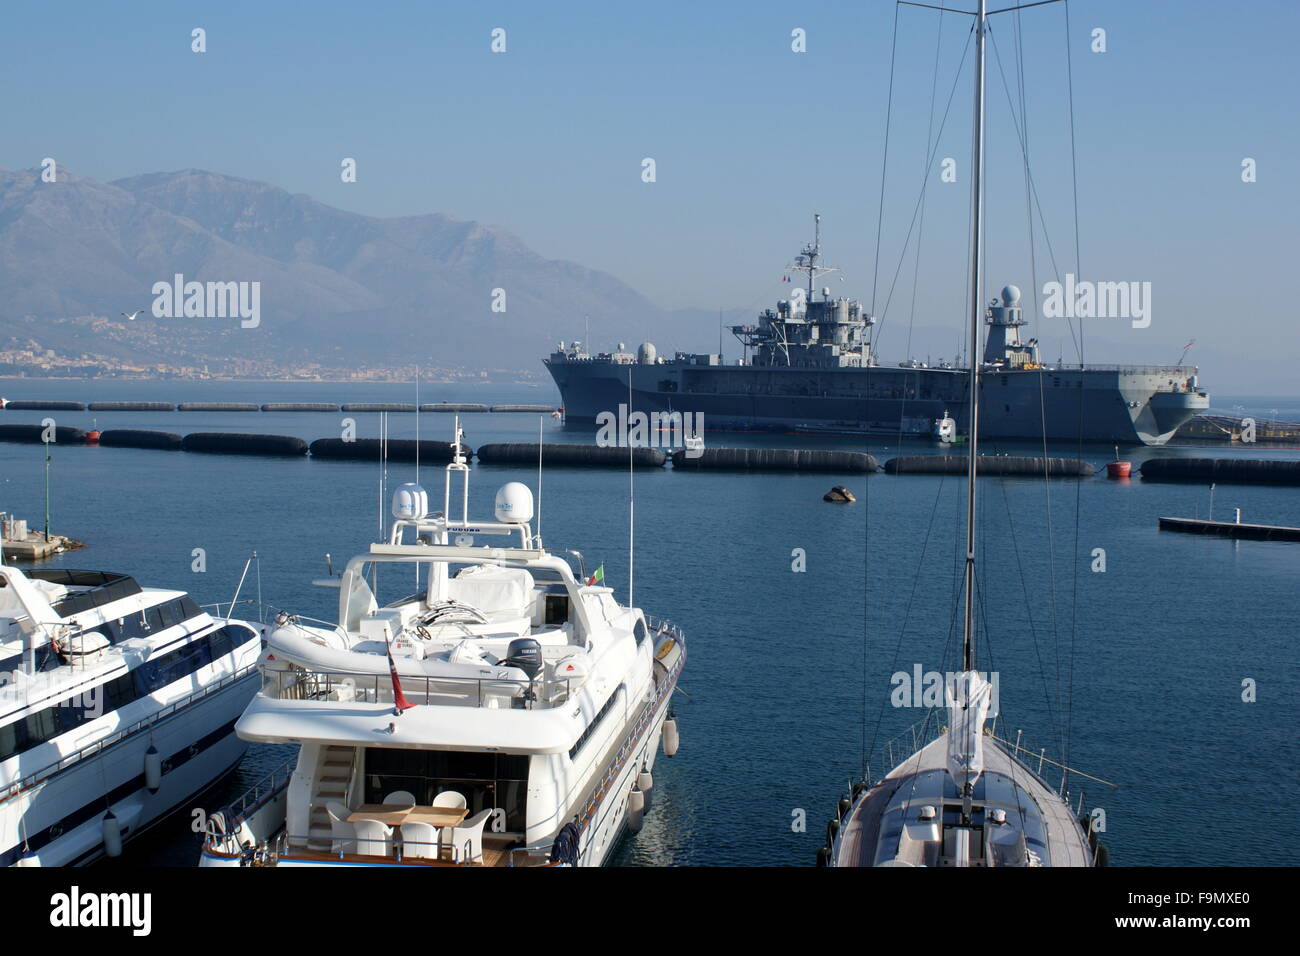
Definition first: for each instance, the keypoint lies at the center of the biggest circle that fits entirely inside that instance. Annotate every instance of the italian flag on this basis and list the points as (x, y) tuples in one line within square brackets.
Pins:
[(598, 577)]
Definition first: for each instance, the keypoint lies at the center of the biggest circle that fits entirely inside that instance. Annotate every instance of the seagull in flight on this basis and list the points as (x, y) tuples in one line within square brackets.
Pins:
[(132, 316)]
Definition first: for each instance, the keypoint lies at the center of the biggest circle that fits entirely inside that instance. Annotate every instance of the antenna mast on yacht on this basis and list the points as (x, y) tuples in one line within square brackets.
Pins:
[(538, 536)]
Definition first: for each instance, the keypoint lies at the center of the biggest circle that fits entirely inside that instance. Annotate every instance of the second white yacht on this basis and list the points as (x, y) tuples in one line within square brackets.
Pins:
[(506, 713)]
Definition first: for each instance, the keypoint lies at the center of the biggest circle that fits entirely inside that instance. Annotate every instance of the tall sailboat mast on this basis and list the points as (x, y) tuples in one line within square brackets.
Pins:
[(976, 307)]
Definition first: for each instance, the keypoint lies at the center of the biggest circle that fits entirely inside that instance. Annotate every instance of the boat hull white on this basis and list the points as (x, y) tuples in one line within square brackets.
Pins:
[(61, 818)]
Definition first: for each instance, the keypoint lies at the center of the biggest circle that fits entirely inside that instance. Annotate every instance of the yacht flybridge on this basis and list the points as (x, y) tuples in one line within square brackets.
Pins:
[(506, 713), (117, 706)]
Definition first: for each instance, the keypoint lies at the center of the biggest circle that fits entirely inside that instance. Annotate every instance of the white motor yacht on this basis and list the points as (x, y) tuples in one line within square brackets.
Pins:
[(508, 712), (117, 706)]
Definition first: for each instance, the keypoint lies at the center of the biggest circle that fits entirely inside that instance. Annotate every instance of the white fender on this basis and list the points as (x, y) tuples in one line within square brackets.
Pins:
[(671, 740), (152, 769), (635, 810), (645, 782), (112, 834)]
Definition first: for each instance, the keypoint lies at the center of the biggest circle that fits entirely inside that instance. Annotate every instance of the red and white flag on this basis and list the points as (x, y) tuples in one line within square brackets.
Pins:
[(400, 703)]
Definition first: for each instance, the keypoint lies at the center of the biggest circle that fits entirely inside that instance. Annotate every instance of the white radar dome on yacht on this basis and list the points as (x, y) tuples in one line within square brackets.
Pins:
[(1011, 294), (410, 502), (646, 354), (514, 503)]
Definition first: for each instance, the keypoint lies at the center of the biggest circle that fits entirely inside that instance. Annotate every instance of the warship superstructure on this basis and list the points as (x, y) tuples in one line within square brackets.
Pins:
[(809, 366)]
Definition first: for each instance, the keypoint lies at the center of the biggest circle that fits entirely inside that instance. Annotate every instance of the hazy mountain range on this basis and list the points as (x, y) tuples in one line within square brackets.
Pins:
[(336, 287), (347, 290)]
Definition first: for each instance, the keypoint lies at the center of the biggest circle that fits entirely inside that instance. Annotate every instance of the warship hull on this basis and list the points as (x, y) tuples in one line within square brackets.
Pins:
[(1131, 405)]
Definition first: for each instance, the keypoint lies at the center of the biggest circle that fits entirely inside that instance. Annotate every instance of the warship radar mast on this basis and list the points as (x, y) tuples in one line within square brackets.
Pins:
[(807, 261)]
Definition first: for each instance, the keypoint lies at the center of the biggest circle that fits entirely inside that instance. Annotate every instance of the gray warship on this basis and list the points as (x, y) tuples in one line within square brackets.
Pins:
[(809, 367)]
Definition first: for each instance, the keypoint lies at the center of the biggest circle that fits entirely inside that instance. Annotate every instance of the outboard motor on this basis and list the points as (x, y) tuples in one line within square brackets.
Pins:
[(526, 654)]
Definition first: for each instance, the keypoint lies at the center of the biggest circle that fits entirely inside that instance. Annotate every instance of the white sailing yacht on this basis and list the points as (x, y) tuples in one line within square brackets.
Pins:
[(506, 713), (963, 799), (117, 706)]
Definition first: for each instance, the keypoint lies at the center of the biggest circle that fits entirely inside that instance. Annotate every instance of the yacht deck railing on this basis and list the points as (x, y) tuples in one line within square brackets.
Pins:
[(931, 727), (302, 684)]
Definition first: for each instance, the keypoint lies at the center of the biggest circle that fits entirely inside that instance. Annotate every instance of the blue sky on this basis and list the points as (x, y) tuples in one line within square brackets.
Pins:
[(749, 139)]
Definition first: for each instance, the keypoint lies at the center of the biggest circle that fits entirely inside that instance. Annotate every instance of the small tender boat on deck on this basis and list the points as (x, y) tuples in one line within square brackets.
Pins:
[(506, 713)]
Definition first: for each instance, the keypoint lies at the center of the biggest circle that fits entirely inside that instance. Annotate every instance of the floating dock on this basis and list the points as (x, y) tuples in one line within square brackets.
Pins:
[(1231, 529)]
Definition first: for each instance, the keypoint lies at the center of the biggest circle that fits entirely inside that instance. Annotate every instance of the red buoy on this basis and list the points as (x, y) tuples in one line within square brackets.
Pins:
[(1119, 469), (92, 438)]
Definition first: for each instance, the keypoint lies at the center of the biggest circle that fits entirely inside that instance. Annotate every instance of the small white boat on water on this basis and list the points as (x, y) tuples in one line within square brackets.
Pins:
[(117, 706), (506, 713)]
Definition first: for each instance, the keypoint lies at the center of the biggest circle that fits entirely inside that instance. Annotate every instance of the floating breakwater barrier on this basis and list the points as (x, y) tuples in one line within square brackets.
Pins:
[(399, 449), (233, 443), (21, 406), (539, 409), (775, 459), (459, 408), (578, 456), (131, 407), (218, 407), (139, 438), (378, 407), (1256, 471), (300, 407), (35, 434), (990, 465)]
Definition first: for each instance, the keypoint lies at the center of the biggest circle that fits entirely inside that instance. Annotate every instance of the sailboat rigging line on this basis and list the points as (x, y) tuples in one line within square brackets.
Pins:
[(925, 182), (920, 231), (866, 605), (1033, 188), (907, 612), (1029, 613), (1078, 491), (884, 160), (1022, 132)]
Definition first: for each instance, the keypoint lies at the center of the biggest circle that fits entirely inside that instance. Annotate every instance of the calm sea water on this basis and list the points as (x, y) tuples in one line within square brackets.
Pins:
[(789, 673)]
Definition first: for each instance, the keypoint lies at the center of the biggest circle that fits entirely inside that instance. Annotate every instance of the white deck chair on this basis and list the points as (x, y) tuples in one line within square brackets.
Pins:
[(400, 798), (374, 838), (450, 798), (419, 840), (466, 841), (343, 834)]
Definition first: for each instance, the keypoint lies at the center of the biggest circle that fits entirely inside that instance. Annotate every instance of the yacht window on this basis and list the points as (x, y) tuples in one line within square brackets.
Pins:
[(557, 610), (37, 728), (640, 631), (591, 727), (219, 642)]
